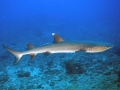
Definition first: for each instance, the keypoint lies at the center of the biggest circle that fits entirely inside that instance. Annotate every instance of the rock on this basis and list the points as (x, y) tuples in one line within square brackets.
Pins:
[(52, 83), (22, 74), (73, 67), (39, 86), (3, 78)]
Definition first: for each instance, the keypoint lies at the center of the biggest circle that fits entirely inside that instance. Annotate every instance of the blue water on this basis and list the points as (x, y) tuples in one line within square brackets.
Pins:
[(34, 21)]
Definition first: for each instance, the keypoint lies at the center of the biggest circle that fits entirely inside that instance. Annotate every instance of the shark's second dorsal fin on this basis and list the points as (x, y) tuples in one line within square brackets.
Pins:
[(30, 46), (57, 38)]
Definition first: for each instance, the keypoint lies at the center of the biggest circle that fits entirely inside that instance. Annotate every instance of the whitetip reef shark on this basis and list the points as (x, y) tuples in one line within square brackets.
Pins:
[(59, 46)]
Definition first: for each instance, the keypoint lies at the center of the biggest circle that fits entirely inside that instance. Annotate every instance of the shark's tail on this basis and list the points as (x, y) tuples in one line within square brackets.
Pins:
[(17, 54)]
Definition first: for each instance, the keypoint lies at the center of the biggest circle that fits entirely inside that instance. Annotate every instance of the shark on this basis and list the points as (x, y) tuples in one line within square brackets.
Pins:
[(59, 45)]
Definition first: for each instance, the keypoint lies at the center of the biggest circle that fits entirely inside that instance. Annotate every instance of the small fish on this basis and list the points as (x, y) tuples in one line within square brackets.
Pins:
[(60, 46)]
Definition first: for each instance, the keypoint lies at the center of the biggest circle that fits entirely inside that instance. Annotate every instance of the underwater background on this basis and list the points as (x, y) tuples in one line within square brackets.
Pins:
[(34, 21)]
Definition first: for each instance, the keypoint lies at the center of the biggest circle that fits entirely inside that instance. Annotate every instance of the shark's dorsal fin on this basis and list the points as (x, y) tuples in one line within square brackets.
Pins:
[(57, 38), (30, 46)]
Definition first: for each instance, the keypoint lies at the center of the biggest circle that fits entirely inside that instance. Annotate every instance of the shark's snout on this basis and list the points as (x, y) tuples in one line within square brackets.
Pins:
[(108, 47)]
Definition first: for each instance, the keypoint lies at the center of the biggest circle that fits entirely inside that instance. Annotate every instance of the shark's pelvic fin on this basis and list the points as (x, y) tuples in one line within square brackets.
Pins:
[(17, 54), (57, 38), (32, 56)]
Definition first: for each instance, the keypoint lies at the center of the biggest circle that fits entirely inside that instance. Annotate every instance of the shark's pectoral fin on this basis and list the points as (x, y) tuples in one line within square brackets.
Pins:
[(30, 46), (57, 38), (46, 53), (32, 56)]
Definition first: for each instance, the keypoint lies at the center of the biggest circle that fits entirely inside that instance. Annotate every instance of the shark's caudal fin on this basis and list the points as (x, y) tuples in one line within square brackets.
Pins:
[(17, 54)]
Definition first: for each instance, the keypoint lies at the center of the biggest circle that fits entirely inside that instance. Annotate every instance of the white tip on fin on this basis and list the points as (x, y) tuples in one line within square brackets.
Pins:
[(57, 38), (53, 34)]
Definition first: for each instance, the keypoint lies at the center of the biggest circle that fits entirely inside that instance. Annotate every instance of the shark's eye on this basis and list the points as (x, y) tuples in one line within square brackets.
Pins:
[(106, 47)]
